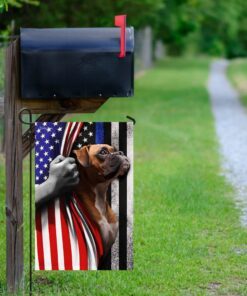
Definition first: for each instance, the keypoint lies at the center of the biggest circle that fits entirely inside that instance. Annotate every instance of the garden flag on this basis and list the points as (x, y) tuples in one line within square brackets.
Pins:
[(87, 225)]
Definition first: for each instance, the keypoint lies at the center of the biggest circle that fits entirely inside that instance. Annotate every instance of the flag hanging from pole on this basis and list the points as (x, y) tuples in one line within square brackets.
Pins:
[(66, 235)]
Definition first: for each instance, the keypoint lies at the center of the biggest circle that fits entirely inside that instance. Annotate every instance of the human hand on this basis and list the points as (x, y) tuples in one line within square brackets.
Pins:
[(63, 175)]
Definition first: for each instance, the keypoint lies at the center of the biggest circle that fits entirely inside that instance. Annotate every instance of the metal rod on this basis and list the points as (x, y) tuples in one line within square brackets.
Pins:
[(132, 119), (30, 211), (30, 194)]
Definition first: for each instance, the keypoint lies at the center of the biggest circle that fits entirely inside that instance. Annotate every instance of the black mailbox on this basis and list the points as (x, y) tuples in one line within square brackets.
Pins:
[(76, 63)]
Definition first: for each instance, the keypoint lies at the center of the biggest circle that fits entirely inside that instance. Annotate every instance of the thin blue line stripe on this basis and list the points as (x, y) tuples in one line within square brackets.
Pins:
[(99, 133)]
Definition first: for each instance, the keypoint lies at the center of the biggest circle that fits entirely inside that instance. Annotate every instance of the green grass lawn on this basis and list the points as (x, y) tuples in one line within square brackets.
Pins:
[(238, 74), (187, 236)]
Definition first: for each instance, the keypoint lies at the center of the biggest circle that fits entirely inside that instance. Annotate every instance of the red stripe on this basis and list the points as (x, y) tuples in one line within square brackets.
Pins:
[(39, 240), (53, 235), (66, 238), (69, 136), (81, 238), (93, 227), (66, 136), (73, 137)]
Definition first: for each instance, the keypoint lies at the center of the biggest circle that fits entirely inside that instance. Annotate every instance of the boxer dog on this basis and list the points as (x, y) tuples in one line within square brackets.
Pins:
[(98, 166)]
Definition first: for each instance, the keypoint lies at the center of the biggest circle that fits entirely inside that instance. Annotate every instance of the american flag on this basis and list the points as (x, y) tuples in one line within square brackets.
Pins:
[(59, 244)]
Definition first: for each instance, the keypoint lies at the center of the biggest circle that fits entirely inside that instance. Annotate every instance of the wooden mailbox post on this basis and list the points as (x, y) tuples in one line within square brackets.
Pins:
[(17, 147)]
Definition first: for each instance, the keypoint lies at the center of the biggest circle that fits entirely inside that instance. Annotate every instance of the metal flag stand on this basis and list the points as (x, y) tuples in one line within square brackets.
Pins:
[(30, 123)]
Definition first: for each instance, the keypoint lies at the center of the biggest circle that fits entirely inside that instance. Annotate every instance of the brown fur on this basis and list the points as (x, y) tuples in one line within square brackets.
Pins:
[(96, 173)]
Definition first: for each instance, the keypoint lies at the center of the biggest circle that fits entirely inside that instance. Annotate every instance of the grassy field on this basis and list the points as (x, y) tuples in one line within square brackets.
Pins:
[(187, 235), (238, 74)]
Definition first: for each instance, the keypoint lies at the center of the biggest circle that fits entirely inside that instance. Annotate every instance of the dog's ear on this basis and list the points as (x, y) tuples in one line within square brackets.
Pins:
[(82, 156)]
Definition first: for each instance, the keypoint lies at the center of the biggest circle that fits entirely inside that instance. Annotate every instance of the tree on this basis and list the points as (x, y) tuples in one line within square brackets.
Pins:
[(215, 27), (81, 13), (4, 4), (177, 20)]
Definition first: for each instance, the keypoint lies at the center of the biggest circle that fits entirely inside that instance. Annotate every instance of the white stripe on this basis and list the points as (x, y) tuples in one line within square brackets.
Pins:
[(91, 246), (60, 252), (115, 198), (36, 252), (73, 242), (130, 154), (64, 138), (46, 239)]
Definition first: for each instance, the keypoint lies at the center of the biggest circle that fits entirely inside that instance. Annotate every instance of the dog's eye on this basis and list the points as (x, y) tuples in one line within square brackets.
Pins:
[(104, 151)]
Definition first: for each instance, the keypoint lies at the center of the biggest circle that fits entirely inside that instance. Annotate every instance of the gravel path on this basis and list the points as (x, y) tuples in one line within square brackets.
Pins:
[(231, 127)]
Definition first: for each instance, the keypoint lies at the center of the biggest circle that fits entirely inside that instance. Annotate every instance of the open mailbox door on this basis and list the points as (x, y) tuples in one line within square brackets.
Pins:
[(76, 63)]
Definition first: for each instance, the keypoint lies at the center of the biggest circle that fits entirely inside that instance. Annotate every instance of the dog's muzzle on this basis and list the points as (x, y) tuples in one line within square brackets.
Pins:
[(119, 165)]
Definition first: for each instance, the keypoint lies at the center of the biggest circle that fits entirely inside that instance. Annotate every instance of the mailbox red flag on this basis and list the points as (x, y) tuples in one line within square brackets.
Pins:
[(120, 21)]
